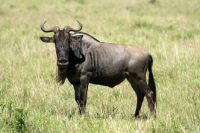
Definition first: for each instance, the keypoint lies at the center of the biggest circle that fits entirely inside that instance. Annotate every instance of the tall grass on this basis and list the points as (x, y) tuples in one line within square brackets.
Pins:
[(31, 101)]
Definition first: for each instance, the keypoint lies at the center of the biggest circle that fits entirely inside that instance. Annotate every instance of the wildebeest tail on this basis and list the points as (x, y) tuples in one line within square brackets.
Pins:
[(151, 83)]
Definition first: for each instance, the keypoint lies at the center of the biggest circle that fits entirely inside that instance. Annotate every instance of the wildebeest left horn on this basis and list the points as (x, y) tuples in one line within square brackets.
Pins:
[(54, 29), (68, 29)]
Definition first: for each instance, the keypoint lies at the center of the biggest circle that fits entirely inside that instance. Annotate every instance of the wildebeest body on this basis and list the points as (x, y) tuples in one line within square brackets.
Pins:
[(109, 64), (82, 59)]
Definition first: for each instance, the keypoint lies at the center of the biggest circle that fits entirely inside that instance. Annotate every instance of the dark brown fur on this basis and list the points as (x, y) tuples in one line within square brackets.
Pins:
[(82, 59)]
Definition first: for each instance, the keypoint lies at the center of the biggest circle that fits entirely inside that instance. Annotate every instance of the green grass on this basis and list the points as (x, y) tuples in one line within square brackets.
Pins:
[(31, 101)]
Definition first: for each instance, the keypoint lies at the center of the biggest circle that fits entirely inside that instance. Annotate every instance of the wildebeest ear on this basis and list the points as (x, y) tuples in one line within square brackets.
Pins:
[(76, 45), (46, 39), (75, 38)]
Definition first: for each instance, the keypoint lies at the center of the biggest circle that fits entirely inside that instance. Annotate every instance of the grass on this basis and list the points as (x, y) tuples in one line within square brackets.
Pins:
[(31, 101)]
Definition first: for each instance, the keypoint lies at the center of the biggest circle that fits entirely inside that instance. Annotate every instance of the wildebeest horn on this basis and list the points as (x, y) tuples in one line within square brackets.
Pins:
[(54, 29), (68, 29)]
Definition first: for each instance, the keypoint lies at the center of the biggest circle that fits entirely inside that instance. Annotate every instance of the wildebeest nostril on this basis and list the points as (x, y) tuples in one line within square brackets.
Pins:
[(62, 62)]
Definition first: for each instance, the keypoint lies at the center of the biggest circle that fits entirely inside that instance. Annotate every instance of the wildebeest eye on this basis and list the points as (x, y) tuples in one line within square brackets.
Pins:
[(54, 41), (67, 39)]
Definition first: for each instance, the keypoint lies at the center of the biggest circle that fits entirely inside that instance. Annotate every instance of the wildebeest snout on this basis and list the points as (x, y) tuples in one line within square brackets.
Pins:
[(62, 60), (62, 63)]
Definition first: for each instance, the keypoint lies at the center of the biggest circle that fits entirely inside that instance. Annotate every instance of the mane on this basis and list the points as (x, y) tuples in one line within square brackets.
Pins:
[(88, 35)]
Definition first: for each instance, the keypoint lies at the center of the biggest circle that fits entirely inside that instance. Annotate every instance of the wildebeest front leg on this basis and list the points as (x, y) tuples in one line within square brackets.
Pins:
[(81, 93), (77, 95)]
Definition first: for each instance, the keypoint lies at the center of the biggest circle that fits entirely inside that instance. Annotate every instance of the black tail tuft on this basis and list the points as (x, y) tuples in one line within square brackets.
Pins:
[(152, 84)]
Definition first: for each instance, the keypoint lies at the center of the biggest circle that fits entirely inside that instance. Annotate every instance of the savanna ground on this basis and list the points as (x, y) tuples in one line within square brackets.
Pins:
[(31, 101)]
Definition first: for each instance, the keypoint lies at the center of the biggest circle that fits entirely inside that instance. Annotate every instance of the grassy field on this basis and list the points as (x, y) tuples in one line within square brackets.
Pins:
[(31, 101)]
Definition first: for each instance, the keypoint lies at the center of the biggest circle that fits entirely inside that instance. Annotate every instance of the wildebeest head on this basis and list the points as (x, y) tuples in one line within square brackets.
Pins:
[(62, 39)]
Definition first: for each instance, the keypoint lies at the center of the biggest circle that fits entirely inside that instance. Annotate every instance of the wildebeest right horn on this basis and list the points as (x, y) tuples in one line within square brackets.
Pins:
[(68, 29), (54, 29)]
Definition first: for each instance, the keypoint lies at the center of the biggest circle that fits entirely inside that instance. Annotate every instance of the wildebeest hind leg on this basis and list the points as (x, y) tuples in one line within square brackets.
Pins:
[(148, 93), (140, 96)]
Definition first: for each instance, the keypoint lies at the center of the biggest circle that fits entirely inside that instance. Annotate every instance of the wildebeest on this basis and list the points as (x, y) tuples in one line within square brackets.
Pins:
[(82, 59)]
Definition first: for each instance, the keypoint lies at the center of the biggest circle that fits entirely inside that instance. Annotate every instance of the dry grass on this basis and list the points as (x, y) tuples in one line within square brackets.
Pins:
[(31, 101)]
